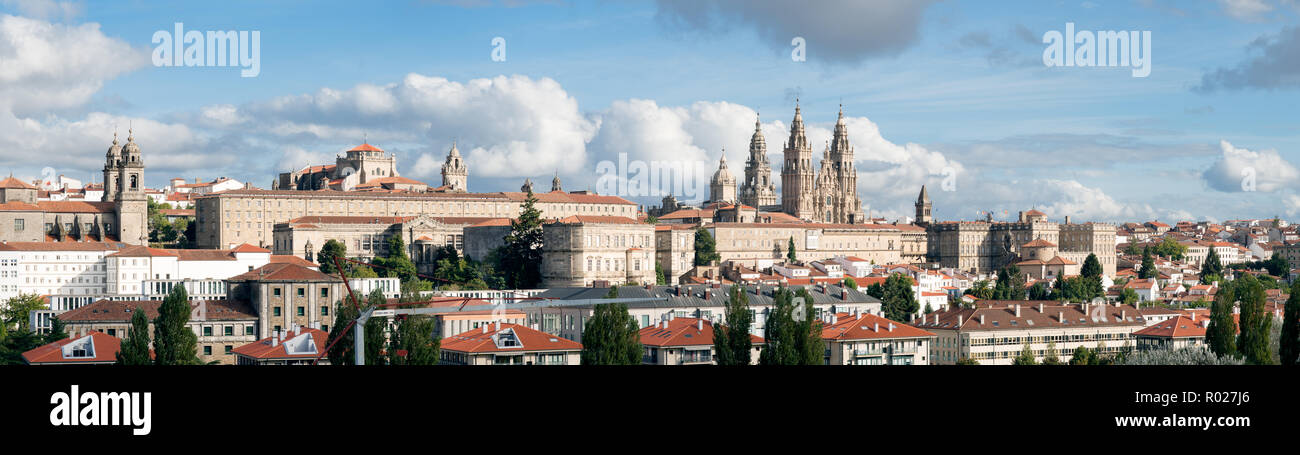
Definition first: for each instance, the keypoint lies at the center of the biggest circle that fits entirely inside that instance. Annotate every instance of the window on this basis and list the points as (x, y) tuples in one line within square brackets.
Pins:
[(207, 331), (207, 350), (302, 291), (324, 292), (276, 311), (229, 348), (302, 311), (324, 310), (19, 224), (229, 331), (248, 330), (275, 292)]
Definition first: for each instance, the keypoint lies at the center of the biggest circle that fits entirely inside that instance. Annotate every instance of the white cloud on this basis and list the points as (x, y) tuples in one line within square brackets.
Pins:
[(45, 9), (1236, 166), (1246, 10)]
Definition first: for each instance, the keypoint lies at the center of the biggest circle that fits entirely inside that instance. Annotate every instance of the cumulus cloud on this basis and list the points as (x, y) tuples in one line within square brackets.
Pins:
[(1276, 66), (1246, 10), (836, 31), (1235, 168)]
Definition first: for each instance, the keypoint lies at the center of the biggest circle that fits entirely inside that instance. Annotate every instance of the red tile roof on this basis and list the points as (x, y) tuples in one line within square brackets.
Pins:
[(1038, 243), (481, 341), (263, 349), (13, 183), (596, 219), (869, 327), (137, 251), (1177, 327), (283, 271), (247, 248), (105, 350), (366, 148), (290, 259), (120, 310), (76, 207), (682, 332)]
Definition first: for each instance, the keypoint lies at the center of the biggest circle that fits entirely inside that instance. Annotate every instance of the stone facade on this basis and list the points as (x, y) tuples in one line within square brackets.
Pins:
[(580, 250), (675, 250), (366, 237), (285, 296), (986, 246), (722, 187), (758, 190), (828, 197), (759, 245), (359, 165), (455, 174)]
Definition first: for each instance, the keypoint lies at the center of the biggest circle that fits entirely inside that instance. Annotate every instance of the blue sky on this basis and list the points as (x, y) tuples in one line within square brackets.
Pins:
[(927, 86)]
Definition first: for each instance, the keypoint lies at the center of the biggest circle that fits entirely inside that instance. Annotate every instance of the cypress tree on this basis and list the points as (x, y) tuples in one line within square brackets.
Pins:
[(706, 248), (1221, 334), (611, 336), (790, 253), (731, 340), (522, 257), (135, 348), (1289, 344), (1212, 269), (808, 338), (1253, 342), (1148, 264), (174, 343)]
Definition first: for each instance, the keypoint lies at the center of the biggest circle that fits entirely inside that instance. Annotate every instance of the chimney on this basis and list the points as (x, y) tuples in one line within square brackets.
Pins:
[(981, 319), (877, 327), (707, 294), (1060, 317), (891, 327), (844, 294), (1040, 307), (275, 340), (1123, 314), (699, 325), (297, 330), (960, 319), (670, 317), (1017, 310), (498, 326), (1067, 219)]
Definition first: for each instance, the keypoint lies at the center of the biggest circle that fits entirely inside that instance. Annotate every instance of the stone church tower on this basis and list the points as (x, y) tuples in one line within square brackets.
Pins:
[(837, 187), (722, 188), (455, 174), (758, 190), (923, 206), (125, 171), (797, 184)]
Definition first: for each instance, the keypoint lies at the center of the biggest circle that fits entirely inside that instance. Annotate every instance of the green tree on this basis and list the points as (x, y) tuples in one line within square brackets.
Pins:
[(1026, 357), (899, 303), (395, 262), (781, 332), (1091, 267), (413, 342), (791, 253), (18, 309), (731, 340), (342, 339), (706, 248), (611, 335), (876, 290), (967, 361), (332, 249), (980, 290), (1128, 296), (361, 271), (522, 258), (1252, 344), (1051, 358), (1083, 356), (1289, 343), (1148, 265), (1170, 248), (659, 275), (174, 342), (1040, 291), (808, 335), (135, 348), (1010, 285), (1212, 269), (1277, 265), (58, 330), (1221, 334), (849, 283), (375, 331)]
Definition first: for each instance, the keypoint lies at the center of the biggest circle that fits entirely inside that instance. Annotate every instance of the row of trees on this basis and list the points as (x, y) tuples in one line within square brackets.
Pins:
[(411, 340), (1248, 336), (173, 343)]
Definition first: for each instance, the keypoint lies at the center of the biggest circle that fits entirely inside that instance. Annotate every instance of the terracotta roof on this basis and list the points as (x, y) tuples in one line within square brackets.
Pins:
[(11, 183), (1000, 314), (137, 251), (15, 206), (105, 350), (366, 148), (120, 310), (204, 255), (682, 332), (596, 219), (289, 259), (282, 272), (1177, 327), (177, 212), (529, 340), (313, 339), (688, 213), (76, 207), (247, 248), (1038, 243), (869, 327)]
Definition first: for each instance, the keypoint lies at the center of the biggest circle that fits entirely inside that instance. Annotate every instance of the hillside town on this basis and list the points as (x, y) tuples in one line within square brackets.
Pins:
[(517, 277)]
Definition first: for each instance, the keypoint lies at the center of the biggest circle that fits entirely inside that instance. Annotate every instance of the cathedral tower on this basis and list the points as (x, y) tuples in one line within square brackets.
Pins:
[(722, 188), (923, 206), (758, 190), (797, 184), (132, 203), (455, 174)]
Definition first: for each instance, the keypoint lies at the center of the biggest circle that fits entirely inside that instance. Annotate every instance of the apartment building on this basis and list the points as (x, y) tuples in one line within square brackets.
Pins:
[(868, 339), (685, 341), (297, 346), (581, 250), (221, 325), (675, 250), (508, 344), (995, 332), (283, 296), (250, 215)]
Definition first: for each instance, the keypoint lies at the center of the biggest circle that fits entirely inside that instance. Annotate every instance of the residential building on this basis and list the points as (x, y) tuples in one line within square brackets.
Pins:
[(581, 250), (94, 348), (220, 325), (868, 339), (685, 341), (995, 332), (284, 295), (299, 346), (508, 344)]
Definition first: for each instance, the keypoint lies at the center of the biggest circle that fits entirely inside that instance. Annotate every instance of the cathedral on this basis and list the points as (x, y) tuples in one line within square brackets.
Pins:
[(121, 216), (827, 195)]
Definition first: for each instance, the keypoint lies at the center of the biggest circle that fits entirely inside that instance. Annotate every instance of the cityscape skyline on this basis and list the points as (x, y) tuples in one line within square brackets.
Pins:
[(1092, 143)]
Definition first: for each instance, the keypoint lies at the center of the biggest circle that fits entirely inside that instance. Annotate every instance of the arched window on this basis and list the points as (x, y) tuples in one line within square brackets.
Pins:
[(135, 181)]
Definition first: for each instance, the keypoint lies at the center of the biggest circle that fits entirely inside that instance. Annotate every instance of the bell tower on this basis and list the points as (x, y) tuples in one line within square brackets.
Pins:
[(132, 205)]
